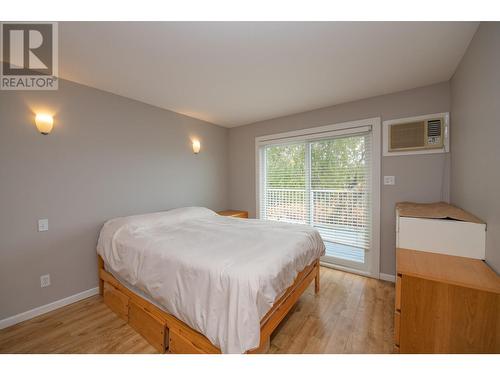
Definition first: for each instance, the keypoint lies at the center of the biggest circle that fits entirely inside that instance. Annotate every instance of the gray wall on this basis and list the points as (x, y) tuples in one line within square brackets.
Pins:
[(475, 162), (422, 178), (107, 156)]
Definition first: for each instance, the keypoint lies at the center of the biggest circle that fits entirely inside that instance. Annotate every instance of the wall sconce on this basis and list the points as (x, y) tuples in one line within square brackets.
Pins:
[(196, 146), (44, 123)]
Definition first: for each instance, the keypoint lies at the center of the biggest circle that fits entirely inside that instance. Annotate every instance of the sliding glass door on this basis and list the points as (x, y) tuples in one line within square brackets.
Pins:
[(324, 181)]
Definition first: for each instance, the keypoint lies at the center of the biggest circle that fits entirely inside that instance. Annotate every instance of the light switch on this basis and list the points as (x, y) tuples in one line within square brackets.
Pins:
[(43, 225), (389, 180)]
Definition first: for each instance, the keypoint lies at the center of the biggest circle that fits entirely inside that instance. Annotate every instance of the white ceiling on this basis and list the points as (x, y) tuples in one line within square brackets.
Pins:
[(236, 73)]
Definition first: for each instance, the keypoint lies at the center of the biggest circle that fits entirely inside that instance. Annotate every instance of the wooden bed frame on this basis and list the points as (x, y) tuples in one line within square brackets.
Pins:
[(167, 333)]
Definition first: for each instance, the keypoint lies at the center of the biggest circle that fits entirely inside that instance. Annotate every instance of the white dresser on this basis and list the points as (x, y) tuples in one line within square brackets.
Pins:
[(440, 228)]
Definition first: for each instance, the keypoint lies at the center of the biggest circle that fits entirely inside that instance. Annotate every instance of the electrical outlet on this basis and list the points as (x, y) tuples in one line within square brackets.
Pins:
[(44, 281), (389, 180), (43, 225)]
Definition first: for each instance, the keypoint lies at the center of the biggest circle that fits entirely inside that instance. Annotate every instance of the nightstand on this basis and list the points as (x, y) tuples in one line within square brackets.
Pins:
[(234, 213)]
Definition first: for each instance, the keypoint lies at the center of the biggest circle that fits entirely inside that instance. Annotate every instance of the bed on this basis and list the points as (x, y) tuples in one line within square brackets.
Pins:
[(192, 281)]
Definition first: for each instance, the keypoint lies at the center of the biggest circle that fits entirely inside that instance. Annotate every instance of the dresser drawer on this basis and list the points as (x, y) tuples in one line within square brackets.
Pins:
[(116, 301), (152, 328)]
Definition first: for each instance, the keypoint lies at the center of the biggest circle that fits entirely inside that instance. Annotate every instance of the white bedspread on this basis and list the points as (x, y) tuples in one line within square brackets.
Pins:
[(220, 275)]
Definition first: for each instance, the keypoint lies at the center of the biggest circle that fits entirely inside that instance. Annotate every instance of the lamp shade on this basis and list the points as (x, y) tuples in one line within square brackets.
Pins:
[(44, 123), (196, 146)]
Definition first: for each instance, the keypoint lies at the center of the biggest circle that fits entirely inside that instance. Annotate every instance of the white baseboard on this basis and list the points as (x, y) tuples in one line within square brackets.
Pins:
[(381, 276), (10, 321), (348, 269), (387, 277)]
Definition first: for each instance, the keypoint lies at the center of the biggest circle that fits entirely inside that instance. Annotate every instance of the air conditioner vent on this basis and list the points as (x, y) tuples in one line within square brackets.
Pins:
[(434, 128), (408, 135)]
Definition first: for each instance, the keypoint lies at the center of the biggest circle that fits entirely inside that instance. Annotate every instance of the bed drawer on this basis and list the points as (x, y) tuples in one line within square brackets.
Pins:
[(116, 301), (152, 328), (180, 345)]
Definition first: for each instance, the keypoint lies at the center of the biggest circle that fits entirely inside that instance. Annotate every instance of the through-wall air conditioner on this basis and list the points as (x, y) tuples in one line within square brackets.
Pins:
[(417, 135)]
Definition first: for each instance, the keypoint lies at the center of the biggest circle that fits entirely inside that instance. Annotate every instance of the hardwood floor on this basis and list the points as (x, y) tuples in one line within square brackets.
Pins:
[(352, 314)]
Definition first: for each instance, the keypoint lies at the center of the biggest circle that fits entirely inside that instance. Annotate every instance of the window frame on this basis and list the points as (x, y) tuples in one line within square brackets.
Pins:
[(372, 267)]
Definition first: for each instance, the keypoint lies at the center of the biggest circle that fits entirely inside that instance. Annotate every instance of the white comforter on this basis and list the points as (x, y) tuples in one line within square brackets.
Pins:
[(220, 275)]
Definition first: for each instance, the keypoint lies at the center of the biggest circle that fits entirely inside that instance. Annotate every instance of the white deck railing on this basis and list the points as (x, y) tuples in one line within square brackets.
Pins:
[(328, 207)]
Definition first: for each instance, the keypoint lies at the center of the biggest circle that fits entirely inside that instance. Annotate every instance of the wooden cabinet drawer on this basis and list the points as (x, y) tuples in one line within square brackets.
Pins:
[(152, 328), (398, 293), (397, 325), (116, 301), (180, 345)]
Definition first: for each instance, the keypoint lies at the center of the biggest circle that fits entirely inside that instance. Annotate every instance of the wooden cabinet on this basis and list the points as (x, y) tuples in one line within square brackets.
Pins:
[(445, 304), (234, 213)]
